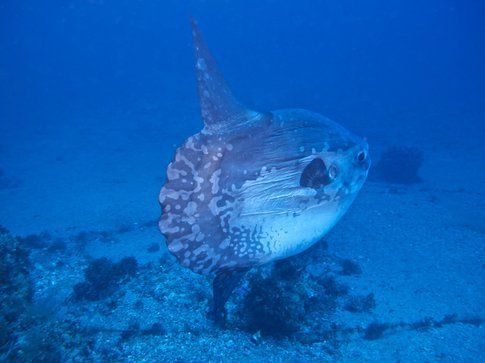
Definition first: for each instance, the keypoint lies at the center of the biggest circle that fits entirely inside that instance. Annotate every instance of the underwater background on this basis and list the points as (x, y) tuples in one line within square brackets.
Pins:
[(95, 97)]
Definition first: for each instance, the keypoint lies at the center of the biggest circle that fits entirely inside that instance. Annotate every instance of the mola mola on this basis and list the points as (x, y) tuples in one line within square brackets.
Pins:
[(254, 187)]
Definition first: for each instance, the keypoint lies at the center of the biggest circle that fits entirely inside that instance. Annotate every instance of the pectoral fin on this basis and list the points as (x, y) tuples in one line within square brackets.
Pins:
[(315, 175)]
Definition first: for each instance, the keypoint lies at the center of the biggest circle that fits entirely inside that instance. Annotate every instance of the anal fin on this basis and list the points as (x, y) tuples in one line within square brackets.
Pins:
[(222, 287)]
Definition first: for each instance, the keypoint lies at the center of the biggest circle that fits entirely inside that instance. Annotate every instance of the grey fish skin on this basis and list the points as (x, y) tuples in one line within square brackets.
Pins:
[(254, 187)]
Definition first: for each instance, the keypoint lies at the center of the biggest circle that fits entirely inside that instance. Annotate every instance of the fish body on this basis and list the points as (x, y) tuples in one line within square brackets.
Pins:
[(254, 187)]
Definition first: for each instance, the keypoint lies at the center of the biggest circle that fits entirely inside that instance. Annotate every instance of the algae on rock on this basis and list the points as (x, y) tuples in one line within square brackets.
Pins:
[(15, 290)]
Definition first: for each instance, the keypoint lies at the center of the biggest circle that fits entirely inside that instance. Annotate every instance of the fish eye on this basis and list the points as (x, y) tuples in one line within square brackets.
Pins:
[(333, 171), (361, 156)]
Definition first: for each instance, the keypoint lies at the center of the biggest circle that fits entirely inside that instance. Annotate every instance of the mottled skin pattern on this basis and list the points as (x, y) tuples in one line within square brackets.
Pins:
[(234, 199)]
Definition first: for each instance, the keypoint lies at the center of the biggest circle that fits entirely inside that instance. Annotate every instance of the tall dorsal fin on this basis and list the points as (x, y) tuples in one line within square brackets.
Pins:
[(220, 110)]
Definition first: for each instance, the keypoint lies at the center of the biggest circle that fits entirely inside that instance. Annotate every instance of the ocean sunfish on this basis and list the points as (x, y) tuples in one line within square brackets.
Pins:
[(254, 187)]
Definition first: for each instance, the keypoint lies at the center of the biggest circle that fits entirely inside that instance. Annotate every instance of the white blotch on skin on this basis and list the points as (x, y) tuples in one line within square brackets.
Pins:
[(214, 179), (201, 64), (213, 205), (173, 173), (191, 208)]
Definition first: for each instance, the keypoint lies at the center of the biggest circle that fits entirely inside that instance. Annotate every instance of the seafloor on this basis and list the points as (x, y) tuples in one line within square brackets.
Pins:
[(400, 278)]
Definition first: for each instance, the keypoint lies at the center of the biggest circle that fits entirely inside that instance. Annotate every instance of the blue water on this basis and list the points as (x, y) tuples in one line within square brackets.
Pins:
[(95, 97)]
